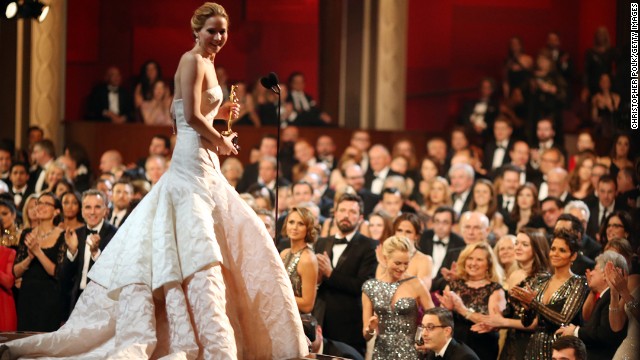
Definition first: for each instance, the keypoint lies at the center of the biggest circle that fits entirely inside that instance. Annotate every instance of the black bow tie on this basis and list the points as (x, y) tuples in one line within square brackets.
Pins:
[(91, 232), (19, 193), (342, 241), (439, 357), (439, 242)]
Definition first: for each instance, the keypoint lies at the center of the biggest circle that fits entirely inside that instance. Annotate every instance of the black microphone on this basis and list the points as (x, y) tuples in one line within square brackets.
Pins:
[(271, 82)]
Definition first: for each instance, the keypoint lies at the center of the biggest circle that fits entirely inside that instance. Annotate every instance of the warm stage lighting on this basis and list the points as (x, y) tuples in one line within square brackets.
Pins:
[(11, 10), (34, 9)]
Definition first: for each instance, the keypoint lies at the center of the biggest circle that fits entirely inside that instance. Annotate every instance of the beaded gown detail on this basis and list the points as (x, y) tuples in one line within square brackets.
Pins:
[(291, 265), (517, 340), (158, 289), (397, 322), (630, 347), (563, 309)]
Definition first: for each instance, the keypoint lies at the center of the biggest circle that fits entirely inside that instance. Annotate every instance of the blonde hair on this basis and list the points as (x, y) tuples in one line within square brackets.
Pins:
[(494, 271), (205, 11), (397, 243), (496, 250)]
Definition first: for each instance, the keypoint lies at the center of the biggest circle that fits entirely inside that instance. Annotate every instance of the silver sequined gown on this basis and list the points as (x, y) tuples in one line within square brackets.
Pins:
[(397, 323), (563, 309), (630, 347)]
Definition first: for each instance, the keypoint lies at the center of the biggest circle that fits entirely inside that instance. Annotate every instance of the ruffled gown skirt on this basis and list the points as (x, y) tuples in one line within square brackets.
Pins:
[(192, 273)]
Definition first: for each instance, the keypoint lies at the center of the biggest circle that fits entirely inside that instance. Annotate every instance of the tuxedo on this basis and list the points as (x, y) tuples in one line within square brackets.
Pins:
[(326, 202), (72, 269), (331, 163), (33, 179), (504, 207), (470, 109), (490, 152), (26, 192), (455, 351), (439, 282), (99, 102), (467, 201), (338, 306), (339, 349), (426, 244), (593, 226), (117, 222), (369, 199), (596, 333), (369, 178)]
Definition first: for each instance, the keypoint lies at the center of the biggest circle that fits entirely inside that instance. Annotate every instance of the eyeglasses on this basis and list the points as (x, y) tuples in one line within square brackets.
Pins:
[(431, 327), (617, 226), (44, 203), (441, 222)]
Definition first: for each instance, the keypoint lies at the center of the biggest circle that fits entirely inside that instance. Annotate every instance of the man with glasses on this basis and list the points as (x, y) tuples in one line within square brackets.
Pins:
[(437, 335)]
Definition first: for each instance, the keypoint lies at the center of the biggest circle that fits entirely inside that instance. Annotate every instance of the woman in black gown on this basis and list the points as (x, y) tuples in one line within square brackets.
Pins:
[(40, 255), (559, 299)]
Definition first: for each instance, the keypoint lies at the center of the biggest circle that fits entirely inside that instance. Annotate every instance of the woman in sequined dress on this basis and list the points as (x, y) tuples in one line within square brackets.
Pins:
[(559, 299), (390, 304), (531, 253), (476, 293), (300, 260)]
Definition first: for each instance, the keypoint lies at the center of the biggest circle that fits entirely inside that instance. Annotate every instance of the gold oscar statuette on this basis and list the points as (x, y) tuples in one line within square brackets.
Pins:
[(233, 98)]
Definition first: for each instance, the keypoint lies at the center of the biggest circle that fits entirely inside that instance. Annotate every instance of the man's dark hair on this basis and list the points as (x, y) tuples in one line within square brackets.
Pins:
[(268, 136), (444, 316), (556, 200), (392, 191), (164, 138), (304, 183), (571, 342), (606, 178), (512, 168), (446, 209), (351, 197), (19, 163), (35, 128), (576, 224)]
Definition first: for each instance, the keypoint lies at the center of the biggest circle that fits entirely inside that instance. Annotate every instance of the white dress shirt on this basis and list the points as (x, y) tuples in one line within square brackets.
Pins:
[(117, 216), (114, 100), (338, 249), (458, 204), (444, 348), (42, 177), (87, 255), (438, 254), (378, 181), (498, 155)]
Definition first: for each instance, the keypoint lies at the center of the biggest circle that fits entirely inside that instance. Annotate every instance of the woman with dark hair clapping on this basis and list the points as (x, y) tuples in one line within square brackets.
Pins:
[(40, 256), (559, 299)]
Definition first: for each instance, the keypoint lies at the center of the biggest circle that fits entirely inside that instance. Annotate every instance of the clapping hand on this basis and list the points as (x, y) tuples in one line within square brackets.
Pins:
[(524, 295), (449, 275), (324, 265), (93, 241), (229, 108), (32, 243), (71, 239), (447, 299), (616, 278)]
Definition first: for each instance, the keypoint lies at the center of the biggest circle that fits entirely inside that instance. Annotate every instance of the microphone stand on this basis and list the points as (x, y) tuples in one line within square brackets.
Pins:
[(276, 89)]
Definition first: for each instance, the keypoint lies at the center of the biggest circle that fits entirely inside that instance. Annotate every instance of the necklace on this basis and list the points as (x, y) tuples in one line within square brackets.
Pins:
[(9, 236), (45, 235)]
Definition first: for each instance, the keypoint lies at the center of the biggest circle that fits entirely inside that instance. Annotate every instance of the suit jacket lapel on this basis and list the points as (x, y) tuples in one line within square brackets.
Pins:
[(345, 253)]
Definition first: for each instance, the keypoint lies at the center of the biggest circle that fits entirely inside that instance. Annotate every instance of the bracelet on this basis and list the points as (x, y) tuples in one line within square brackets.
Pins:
[(468, 313), (632, 304), (612, 309)]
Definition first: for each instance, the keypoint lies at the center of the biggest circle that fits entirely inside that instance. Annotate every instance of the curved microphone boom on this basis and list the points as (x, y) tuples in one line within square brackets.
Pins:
[(272, 83)]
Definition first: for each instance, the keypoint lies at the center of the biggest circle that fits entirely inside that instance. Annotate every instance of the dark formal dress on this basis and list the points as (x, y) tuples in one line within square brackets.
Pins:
[(517, 340), (338, 306), (563, 309), (397, 322), (485, 345), (596, 333), (40, 305)]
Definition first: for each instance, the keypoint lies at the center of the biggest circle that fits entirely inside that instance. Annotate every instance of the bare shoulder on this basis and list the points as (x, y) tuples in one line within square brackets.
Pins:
[(308, 257), (422, 258), (284, 253)]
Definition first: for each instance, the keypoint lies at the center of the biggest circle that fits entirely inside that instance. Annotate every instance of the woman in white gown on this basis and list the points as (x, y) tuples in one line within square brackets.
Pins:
[(193, 272)]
